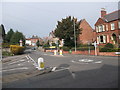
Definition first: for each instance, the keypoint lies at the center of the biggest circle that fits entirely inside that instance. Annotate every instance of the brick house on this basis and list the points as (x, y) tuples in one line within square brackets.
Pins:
[(107, 28), (32, 41), (87, 35), (53, 39)]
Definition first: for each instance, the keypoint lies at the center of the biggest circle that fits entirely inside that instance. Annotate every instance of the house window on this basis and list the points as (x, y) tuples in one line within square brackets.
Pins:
[(97, 29), (101, 28), (119, 24), (102, 39), (112, 26), (119, 36)]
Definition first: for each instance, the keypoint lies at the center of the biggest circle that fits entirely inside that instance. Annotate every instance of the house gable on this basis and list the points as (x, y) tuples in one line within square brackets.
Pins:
[(87, 34), (99, 21)]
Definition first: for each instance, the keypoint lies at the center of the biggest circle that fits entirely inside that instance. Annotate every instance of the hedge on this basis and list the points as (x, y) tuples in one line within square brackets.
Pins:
[(105, 49), (15, 49), (78, 48)]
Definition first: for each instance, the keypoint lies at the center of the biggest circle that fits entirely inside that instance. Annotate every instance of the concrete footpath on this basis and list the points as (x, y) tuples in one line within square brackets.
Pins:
[(18, 67), (19, 76)]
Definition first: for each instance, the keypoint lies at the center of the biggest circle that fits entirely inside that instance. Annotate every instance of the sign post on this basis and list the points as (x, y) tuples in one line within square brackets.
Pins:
[(40, 63), (95, 45)]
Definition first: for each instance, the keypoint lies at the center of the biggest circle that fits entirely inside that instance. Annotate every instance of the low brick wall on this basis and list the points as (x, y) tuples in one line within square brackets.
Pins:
[(81, 52), (92, 52), (49, 50), (107, 54)]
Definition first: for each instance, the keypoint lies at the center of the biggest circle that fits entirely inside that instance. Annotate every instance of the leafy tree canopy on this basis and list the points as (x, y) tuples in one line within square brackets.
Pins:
[(16, 37), (65, 30), (38, 43), (9, 35), (2, 31)]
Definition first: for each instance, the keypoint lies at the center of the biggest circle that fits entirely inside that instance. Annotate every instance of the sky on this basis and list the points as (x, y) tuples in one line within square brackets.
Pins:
[(40, 18)]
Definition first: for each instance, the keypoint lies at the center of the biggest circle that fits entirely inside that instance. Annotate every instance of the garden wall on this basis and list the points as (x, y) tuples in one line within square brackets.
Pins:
[(92, 52)]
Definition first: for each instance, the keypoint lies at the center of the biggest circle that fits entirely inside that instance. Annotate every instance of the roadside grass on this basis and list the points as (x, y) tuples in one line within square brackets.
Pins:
[(6, 53)]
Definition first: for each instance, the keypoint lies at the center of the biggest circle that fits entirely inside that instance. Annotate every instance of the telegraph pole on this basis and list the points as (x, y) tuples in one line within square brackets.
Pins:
[(74, 34)]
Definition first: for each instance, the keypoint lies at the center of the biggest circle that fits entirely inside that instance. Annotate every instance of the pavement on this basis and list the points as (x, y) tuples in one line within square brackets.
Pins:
[(19, 67), (68, 71)]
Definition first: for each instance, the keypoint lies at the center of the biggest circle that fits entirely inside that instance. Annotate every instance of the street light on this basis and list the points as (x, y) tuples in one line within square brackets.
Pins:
[(74, 34)]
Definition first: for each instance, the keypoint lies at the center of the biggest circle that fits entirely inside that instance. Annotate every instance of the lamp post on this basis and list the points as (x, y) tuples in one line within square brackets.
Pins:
[(74, 34), (95, 45), (89, 48)]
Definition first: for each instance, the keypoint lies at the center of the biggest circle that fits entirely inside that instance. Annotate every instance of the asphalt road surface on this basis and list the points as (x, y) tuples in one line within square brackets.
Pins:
[(72, 71)]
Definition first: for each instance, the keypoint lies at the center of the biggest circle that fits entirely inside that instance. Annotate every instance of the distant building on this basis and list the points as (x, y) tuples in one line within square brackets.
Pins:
[(87, 34), (32, 41), (107, 28), (56, 40)]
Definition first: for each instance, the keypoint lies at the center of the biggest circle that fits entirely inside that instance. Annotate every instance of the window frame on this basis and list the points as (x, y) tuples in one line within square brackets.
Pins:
[(118, 24), (112, 26)]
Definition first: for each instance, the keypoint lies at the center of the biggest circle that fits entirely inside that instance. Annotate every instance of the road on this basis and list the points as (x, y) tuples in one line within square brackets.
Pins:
[(73, 71)]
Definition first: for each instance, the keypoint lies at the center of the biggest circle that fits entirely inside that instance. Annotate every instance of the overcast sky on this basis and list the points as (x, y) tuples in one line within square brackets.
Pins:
[(40, 18)]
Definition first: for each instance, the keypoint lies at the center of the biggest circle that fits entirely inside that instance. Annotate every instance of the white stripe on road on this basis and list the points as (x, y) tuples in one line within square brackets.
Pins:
[(78, 62), (45, 54), (35, 64), (27, 57), (61, 69), (53, 68), (23, 68), (16, 61)]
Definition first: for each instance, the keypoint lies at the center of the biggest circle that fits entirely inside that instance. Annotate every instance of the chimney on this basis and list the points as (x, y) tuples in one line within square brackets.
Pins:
[(103, 12)]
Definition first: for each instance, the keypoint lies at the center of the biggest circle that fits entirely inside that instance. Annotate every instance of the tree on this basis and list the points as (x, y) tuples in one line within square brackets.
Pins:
[(9, 35), (2, 31), (38, 43), (65, 30), (16, 37)]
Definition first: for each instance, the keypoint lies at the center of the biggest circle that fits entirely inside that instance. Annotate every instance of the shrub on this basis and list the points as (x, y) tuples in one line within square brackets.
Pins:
[(108, 48), (15, 49), (109, 45), (6, 53), (105, 49), (84, 48), (5, 45), (66, 48), (53, 44)]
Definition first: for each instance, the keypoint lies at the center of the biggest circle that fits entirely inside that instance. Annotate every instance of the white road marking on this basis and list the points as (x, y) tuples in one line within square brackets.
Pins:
[(61, 69), (19, 64), (15, 69), (34, 63), (86, 62), (98, 62), (27, 57), (45, 54), (53, 68), (16, 62)]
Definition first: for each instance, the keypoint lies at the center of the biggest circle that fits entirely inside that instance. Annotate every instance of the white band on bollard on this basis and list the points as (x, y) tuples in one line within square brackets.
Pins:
[(60, 52), (40, 63), (55, 52)]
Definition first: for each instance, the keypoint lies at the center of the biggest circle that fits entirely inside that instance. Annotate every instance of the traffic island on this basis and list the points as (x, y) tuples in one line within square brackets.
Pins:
[(20, 76)]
